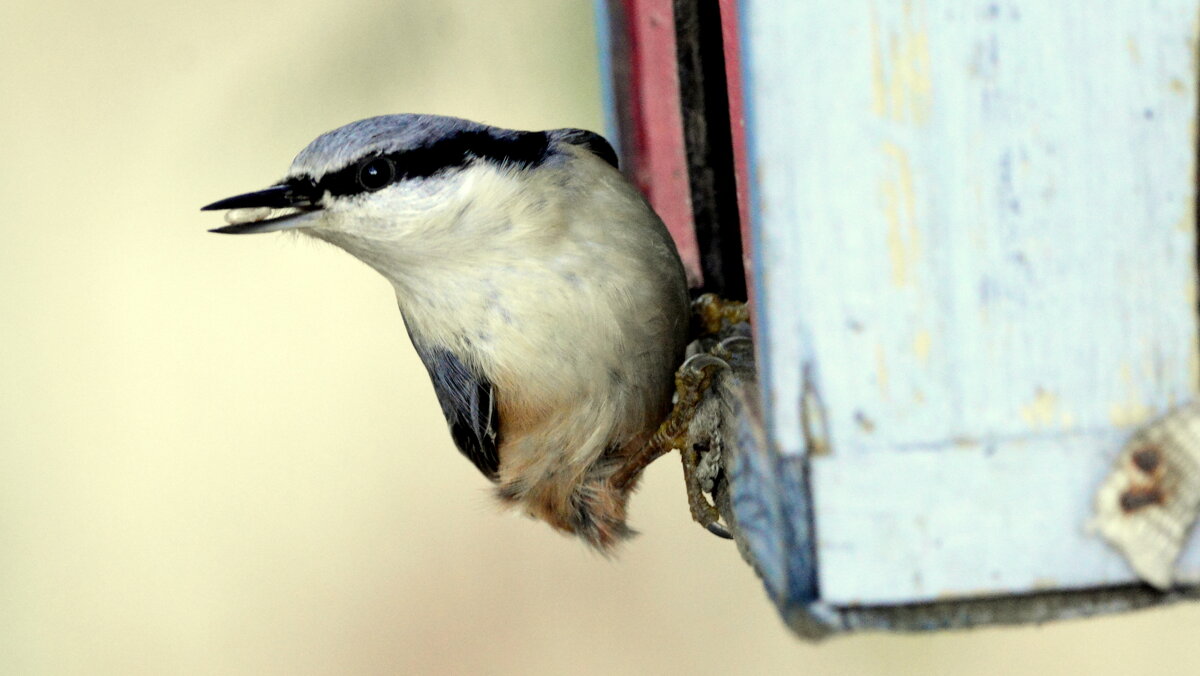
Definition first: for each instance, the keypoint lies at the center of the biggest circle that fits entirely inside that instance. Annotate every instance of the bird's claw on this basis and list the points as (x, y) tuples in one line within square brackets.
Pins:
[(719, 530), (698, 476), (693, 380)]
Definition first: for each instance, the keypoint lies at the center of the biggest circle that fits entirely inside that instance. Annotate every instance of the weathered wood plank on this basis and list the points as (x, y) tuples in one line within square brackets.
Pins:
[(976, 273)]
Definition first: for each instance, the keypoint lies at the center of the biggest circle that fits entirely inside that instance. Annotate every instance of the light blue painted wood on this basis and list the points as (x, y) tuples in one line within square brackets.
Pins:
[(966, 522), (975, 247)]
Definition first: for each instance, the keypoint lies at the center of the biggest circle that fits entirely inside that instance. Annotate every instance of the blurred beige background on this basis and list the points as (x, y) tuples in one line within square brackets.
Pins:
[(219, 455)]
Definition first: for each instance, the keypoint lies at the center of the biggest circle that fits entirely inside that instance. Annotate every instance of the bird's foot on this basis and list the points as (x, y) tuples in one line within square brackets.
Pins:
[(699, 473), (715, 314), (692, 382), (717, 323)]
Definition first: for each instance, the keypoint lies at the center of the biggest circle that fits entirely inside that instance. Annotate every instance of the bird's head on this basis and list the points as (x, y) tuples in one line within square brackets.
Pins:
[(401, 185)]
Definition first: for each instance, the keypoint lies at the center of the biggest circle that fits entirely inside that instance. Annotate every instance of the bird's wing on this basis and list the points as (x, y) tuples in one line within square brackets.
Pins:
[(597, 144), (469, 403)]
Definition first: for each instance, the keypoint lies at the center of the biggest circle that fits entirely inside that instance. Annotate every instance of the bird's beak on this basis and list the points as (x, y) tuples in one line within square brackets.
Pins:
[(280, 207)]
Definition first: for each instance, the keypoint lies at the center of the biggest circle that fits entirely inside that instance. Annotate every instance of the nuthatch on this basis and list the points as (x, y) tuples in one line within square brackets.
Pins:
[(544, 296)]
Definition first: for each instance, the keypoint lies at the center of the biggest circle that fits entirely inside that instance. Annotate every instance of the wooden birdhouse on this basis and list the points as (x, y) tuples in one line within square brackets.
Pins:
[(968, 233)]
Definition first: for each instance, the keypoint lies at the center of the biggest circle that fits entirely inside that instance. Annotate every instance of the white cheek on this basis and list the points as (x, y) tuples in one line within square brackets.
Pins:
[(412, 201), (395, 212)]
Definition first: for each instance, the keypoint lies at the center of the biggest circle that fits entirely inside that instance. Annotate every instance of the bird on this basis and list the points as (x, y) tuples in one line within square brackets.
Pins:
[(541, 291)]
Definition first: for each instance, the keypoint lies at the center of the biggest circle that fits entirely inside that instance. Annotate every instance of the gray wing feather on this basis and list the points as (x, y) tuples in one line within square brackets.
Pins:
[(594, 142), (469, 403)]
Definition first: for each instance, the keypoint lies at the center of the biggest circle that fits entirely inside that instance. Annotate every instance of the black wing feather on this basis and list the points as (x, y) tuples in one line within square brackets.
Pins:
[(594, 142), (469, 403)]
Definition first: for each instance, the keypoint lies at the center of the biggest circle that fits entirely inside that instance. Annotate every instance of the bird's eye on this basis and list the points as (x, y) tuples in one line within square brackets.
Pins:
[(376, 173)]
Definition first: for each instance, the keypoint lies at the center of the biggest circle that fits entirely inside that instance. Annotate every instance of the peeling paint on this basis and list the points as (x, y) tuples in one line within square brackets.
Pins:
[(1194, 367), (900, 211), (1129, 414), (921, 344), (881, 371), (1039, 583), (1133, 410), (812, 416), (1186, 223), (864, 422), (901, 87), (1041, 411), (1135, 55)]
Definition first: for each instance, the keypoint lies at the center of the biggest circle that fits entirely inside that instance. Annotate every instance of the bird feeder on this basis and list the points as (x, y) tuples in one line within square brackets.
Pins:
[(968, 234)]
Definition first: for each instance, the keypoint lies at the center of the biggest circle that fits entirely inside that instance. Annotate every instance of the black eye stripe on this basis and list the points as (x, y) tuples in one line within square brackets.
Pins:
[(523, 149)]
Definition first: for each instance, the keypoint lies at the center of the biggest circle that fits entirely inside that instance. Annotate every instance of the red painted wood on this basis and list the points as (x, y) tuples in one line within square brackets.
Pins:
[(658, 155)]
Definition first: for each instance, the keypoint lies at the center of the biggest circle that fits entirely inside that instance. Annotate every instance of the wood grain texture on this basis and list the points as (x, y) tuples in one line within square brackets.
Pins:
[(975, 268)]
